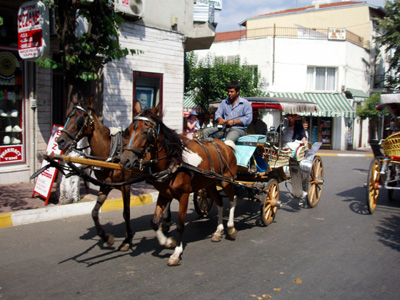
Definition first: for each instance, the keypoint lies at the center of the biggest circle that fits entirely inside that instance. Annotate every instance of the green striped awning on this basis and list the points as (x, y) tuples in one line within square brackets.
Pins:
[(188, 101), (329, 104)]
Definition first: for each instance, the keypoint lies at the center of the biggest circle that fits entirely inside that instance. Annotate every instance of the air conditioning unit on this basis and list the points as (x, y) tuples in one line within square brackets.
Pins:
[(132, 8)]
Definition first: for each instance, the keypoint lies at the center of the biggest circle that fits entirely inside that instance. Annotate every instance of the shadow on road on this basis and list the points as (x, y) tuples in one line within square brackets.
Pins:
[(389, 232)]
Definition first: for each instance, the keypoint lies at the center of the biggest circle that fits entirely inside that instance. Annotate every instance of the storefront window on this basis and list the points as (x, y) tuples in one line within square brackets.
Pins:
[(11, 108)]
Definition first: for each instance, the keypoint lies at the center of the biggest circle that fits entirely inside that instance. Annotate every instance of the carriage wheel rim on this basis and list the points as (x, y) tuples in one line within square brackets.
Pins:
[(316, 181), (373, 187), (269, 207)]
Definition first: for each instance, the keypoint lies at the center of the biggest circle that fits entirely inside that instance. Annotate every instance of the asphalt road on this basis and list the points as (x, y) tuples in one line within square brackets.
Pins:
[(334, 251)]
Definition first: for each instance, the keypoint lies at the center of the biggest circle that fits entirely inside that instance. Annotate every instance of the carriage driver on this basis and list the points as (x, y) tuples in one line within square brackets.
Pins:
[(234, 113)]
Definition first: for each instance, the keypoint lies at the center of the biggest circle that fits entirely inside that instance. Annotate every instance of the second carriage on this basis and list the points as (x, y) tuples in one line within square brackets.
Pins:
[(384, 171), (264, 161)]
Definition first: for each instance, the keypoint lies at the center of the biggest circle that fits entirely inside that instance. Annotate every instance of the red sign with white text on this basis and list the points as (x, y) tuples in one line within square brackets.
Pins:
[(45, 180), (33, 29), (10, 154)]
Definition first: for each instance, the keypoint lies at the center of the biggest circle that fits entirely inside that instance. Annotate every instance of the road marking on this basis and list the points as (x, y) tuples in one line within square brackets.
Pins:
[(5, 220)]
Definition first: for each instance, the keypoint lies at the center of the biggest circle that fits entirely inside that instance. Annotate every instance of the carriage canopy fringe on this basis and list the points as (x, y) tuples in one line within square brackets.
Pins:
[(329, 104), (390, 98), (286, 105)]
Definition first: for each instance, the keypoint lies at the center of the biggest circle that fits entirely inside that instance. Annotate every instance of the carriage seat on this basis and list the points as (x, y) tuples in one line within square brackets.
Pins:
[(298, 149), (246, 146)]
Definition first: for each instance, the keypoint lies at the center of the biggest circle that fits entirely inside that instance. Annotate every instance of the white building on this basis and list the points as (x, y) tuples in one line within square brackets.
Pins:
[(322, 65)]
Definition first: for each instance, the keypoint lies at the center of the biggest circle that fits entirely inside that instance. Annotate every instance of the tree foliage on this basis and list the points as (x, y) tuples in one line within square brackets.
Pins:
[(84, 55), (208, 78), (389, 27), (367, 110)]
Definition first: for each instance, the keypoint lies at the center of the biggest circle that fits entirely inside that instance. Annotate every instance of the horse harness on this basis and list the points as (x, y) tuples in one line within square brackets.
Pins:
[(162, 176), (81, 122), (152, 134)]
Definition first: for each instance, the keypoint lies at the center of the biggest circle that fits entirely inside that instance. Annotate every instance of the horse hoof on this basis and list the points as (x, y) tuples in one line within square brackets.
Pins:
[(110, 240), (233, 234), (216, 237), (173, 262), (124, 247)]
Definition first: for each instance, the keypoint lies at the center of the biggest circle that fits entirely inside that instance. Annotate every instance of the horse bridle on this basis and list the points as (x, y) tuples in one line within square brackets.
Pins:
[(88, 121), (152, 135)]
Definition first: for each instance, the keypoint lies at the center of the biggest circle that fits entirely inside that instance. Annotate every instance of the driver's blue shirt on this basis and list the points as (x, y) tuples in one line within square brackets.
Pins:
[(240, 111)]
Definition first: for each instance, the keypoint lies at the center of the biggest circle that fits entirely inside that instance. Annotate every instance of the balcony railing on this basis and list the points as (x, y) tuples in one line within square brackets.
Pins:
[(303, 33)]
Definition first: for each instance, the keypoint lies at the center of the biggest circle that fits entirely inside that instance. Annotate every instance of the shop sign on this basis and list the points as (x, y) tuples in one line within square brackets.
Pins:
[(11, 154), (33, 30), (45, 180)]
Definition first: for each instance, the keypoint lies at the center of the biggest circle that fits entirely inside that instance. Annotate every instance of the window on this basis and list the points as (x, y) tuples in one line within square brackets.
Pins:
[(147, 89), (321, 79)]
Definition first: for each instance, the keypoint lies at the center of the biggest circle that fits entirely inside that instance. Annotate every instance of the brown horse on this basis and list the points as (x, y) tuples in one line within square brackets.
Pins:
[(180, 166), (83, 122)]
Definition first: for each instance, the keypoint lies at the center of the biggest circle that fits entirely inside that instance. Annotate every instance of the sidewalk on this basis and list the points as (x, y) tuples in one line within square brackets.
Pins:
[(17, 206)]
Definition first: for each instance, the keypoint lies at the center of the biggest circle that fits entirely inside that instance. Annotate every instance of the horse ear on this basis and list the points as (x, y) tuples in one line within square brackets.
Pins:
[(137, 109), (156, 110)]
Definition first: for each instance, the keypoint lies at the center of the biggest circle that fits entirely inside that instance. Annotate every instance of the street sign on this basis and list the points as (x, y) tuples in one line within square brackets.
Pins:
[(33, 30), (45, 180)]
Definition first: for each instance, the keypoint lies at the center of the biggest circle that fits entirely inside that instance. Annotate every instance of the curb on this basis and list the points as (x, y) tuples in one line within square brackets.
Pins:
[(69, 210), (345, 154)]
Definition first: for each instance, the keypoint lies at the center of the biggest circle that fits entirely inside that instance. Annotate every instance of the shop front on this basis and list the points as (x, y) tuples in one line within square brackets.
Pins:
[(12, 121), (330, 124)]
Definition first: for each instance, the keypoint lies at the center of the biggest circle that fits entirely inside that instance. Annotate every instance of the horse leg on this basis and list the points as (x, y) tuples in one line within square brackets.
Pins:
[(106, 237), (163, 240), (230, 192), (126, 196), (212, 191), (174, 259), (166, 218)]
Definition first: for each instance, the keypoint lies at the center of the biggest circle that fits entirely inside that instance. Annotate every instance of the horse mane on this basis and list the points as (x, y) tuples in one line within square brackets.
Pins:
[(171, 141)]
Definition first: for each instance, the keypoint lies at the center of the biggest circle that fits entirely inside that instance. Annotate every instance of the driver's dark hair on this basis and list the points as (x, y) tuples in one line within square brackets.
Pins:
[(233, 85)]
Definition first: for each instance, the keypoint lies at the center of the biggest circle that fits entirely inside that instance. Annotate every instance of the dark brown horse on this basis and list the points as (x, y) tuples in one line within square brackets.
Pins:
[(83, 122), (179, 167)]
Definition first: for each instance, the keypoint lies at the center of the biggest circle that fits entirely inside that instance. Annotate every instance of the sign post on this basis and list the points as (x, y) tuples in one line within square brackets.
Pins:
[(45, 180), (33, 30)]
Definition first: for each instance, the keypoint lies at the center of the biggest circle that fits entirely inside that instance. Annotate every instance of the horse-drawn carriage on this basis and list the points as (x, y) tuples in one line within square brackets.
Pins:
[(264, 161), (177, 167), (384, 171)]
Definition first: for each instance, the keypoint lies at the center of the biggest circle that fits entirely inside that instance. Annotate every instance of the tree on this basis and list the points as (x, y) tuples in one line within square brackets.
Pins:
[(368, 110), (84, 56), (390, 37), (208, 78)]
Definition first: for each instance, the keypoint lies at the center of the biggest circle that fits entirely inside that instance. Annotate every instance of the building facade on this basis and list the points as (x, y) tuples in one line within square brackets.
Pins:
[(32, 98)]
